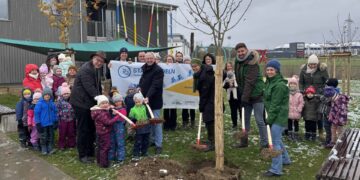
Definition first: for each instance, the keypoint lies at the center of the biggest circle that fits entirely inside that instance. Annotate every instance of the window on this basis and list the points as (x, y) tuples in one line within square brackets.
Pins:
[(4, 12)]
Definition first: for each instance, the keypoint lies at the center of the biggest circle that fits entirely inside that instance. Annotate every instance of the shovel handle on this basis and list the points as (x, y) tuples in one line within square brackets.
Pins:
[(148, 107), (126, 118), (269, 136), (199, 129)]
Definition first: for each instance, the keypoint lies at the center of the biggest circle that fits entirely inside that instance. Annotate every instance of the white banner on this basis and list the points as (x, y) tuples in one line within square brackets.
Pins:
[(178, 82)]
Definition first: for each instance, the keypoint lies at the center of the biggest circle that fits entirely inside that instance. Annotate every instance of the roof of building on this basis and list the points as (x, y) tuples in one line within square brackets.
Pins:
[(165, 6)]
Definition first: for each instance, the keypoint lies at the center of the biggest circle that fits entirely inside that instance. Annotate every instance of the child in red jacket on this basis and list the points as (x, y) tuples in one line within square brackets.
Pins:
[(100, 113)]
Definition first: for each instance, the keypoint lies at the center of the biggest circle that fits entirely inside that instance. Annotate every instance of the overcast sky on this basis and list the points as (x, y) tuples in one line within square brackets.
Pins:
[(269, 23)]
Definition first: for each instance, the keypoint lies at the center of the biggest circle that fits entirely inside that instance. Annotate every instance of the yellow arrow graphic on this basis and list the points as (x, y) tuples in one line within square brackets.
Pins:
[(183, 87)]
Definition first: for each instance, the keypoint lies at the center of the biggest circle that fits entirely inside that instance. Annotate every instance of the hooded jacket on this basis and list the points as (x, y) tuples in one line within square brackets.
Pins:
[(276, 97), (21, 109), (29, 81), (103, 120), (249, 78), (296, 102), (45, 113), (316, 79)]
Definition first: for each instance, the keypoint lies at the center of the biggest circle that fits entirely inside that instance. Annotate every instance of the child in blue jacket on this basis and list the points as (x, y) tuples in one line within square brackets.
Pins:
[(46, 121), (21, 117)]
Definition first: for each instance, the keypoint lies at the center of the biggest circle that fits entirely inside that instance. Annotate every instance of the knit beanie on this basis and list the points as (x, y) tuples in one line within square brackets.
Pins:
[(61, 56), (138, 96), (26, 91), (124, 49), (196, 61), (101, 98), (310, 89), (65, 89), (329, 91), (47, 91), (132, 86), (293, 80), (55, 68), (117, 98), (44, 69), (332, 82), (274, 63), (313, 59), (37, 95), (73, 67)]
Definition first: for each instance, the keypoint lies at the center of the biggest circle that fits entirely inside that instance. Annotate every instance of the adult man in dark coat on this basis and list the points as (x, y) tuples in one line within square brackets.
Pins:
[(250, 89), (151, 85), (87, 85)]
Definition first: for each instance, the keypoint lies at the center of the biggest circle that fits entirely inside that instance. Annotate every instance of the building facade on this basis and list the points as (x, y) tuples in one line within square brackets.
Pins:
[(22, 20)]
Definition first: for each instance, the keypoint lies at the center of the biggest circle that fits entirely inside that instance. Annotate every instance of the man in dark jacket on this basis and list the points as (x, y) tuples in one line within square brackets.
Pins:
[(151, 85), (204, 82), (250, 89), (87, 85)]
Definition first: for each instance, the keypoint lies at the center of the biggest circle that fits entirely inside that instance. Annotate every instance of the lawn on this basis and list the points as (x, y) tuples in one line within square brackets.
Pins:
[(307, 157)]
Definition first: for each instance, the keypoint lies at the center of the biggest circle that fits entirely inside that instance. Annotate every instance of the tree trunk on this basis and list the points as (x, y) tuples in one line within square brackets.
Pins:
[(219, 123)]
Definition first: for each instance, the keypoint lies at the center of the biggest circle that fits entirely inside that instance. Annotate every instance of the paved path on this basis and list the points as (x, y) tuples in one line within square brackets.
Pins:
[(18, 163)]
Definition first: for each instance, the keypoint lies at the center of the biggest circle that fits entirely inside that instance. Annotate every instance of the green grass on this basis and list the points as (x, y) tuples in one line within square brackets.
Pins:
[(307, 157), (8, 100)]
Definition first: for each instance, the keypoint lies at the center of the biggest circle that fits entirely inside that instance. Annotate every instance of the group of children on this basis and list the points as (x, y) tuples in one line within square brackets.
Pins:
[(39, 114), (328, 110)]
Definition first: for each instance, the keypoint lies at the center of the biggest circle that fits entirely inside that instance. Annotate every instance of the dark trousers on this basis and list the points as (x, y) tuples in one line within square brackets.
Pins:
[(67, 134), (320, 124), (102, 153), (47, 138), (24, 134), (141, 144), (291, 123), (186, 115), (210, 132), (327, 126), (234, 108), (310, 129), (85, 132), (170, 119)]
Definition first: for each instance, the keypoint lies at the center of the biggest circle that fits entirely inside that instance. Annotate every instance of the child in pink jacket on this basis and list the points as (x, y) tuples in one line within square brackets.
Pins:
[(296, 104), (34, 136)]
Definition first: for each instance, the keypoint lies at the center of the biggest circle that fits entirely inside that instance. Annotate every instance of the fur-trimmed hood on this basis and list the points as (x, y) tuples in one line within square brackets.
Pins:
[(252, 58), (321, 67)]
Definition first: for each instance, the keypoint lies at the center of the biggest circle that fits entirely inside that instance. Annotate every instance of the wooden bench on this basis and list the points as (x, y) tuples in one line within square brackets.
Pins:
[(343, 161), (7, 119)]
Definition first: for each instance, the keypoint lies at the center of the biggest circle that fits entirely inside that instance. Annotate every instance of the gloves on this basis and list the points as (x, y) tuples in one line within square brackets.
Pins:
[(39, 128), (226, 85)]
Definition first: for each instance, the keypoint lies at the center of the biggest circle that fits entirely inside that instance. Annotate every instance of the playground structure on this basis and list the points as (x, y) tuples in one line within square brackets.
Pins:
[(340, 60)]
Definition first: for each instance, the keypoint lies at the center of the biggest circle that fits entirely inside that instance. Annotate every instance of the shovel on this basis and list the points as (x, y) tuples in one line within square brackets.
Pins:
[(126, 119), (198, 145), (239, 135), (153, 119), (270, 152)]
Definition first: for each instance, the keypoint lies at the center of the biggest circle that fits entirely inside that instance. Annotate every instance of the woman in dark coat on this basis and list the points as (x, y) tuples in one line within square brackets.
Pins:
[(204, 82), (86, 87)]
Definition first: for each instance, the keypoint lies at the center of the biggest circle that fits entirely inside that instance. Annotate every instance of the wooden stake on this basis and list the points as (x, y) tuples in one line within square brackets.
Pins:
[(219, 123), (269, 137), (243, 120)]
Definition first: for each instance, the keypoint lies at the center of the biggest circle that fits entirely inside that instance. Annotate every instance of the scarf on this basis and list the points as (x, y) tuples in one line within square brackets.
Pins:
[(311, 71), (243, 59)]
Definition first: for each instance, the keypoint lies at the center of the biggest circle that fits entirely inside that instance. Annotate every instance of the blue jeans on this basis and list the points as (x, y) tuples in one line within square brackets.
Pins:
[(259, 118), (156, 134), (277, 162)]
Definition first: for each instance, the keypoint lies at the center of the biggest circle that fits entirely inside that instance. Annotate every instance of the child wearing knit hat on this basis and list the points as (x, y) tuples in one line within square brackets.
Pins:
[(21, 109), (310, 114), (45, 76), (103, 123), (46, 121), (58, 80), (138, 114), (34, 135), (65, 64), (117, 149), (66, 116), (70, 76), (296, 104)]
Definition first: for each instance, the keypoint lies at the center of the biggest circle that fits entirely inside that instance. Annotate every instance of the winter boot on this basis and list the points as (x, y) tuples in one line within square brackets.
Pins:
[(35, 147), (44, 150), (321, 135), (307, 136), (296, 136), (244, 142), (184, 125), (192, 125), (50, 149), (290, 135)]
